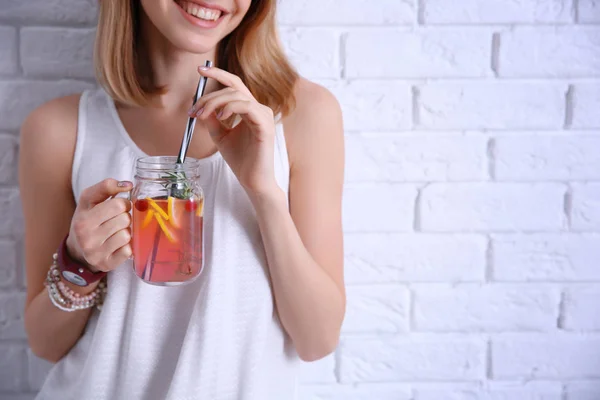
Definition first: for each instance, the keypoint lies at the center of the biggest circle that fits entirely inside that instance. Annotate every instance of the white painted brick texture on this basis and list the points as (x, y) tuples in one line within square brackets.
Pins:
[(496, 11), (547, 390), (472, 198), (559, 52), (586, 102)]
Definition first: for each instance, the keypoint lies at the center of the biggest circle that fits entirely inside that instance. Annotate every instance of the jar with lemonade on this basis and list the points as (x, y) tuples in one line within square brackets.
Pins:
[(168, 219)]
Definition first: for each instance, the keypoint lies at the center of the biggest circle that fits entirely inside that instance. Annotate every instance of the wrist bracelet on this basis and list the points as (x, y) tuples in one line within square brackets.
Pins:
[(65, 298)]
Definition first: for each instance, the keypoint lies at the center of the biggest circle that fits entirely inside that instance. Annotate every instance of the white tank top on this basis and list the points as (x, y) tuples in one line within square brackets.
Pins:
[(218, 338)]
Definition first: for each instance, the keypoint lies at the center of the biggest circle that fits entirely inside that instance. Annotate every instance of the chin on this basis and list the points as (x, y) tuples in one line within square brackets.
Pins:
[(195, 26)]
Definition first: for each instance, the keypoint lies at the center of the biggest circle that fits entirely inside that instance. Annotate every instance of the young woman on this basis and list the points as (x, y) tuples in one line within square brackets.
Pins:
[(272, 290)]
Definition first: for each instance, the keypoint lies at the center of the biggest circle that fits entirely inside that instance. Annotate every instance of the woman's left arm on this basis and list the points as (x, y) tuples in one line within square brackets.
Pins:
[(304, 244)]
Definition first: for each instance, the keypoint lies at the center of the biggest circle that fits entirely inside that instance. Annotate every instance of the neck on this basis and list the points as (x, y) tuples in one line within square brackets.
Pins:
[(173, 68)]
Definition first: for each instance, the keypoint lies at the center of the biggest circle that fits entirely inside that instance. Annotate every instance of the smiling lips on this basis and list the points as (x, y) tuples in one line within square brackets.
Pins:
[(204, 13)]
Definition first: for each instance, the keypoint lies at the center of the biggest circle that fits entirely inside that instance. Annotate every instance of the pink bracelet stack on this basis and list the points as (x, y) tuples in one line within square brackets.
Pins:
[(65, 298)]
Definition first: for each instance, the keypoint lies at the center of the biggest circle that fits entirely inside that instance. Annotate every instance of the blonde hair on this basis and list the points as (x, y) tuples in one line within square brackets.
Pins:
[(252, 51)]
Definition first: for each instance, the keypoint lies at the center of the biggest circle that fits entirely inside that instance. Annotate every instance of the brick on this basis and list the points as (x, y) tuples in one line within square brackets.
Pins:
[(8, 158), (496, 11), (395, 205), (492, 207), (490, 391), (313, 51), (49, 11), (415, 157), (588, 11), (586, 103), (432, 53), (546, 357), (8, 267), (583, 390), (12, 309), (580, 305), (546, 257), (485, 308), (340, 12), (381, 258), (10, 207), (57, 52), (359, 99), (411, 358), (23, 396), (368, 391), (19, 98), (562, 52), (12, 364), (491, 105), (377, 308), (8, 49), (547, 157), (320, 371), (585, 214), (37, 370)]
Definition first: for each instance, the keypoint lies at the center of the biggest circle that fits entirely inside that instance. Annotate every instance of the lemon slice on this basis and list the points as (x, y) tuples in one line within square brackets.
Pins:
[(158, 209), (170, 235), (200, 209), (174, 214), (148, 218)]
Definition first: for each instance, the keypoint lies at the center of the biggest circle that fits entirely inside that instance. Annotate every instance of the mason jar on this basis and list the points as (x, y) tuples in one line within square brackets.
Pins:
[(168, 219)]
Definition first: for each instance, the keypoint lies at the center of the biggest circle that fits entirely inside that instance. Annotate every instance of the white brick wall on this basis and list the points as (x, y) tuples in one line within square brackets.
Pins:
[(472, 204)]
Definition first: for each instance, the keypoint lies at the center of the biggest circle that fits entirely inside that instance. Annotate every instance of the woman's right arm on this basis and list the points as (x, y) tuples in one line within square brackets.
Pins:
[(100, 227)]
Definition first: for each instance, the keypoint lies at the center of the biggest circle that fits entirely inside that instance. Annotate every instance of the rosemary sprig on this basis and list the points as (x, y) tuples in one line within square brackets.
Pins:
[(178, 185)]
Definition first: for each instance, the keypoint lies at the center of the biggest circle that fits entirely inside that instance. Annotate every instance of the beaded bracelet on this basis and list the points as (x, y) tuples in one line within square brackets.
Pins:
[(65, 298)]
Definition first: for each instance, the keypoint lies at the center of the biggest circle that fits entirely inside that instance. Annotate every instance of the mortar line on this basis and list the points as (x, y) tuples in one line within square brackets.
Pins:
[(568, 205), (20, 71), (342, 54), (415, 107), (568, 108), (337, 359), (489, 260), (560, 320), (491, 158), (488, 360), (420, 12), (495, 61)]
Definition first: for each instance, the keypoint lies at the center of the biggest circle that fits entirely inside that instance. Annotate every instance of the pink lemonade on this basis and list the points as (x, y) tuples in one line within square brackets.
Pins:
[(167, 239)]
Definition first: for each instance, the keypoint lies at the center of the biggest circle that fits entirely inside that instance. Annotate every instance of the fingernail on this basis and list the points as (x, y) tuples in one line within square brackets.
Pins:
[(124, 184), (204, 68), (191, 110), (220, 114), (200, 111)]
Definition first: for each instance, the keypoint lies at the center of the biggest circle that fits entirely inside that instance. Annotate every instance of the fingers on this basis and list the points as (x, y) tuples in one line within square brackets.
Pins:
[(120, 255), (193, 111), (97, 219), (103, 190), (115, 250), (208, 106), (116, 241), (225, 78), (108, 210), (112, 226)]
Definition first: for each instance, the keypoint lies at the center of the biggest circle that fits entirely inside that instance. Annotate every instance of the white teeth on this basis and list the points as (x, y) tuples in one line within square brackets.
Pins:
[(201, 12)]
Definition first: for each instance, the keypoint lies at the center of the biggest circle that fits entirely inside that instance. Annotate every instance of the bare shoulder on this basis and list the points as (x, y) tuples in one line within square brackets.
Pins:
[(53, 118), (314, 103), (48, 136), (51, 127), (316, 121)]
